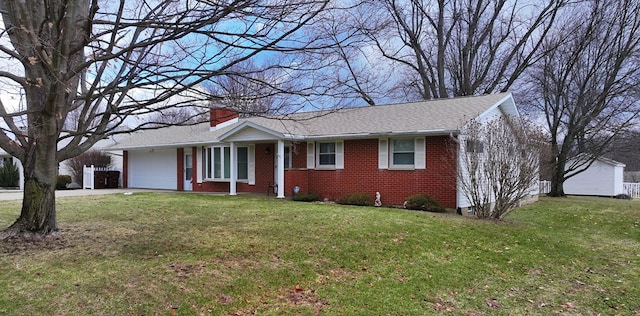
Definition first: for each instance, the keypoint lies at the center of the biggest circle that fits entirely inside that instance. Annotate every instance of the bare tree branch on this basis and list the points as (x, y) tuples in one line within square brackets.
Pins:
[(88, 68), (586, 84)]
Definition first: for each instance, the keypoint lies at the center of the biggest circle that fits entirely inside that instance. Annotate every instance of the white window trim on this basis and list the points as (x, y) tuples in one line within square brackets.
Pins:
[(338, 154), (392, 151), (200, 157), (311, 155), (251, 174), (288, 156), (385, 154)]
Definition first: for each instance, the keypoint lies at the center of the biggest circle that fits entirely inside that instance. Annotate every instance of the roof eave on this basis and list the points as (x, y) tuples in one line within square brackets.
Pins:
[(507, 105), (435, 132)]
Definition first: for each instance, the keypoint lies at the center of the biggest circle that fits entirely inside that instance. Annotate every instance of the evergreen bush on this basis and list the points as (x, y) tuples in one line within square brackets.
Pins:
[(9, 174), (306, 197), (423, 202), (361, 199), (63, 181)]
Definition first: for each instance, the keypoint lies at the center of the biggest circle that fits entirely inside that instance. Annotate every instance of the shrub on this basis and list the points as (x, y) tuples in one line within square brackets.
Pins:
[(63, 181), (93, 157), (423, 202), (361, 199), (306, 197), (9, 174)]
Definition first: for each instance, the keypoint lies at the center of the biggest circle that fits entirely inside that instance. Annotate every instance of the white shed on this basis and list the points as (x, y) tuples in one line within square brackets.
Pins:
[(604, 177)]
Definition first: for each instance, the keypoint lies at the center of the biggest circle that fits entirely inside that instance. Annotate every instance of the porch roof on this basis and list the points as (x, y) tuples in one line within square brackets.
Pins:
[(441, 116)]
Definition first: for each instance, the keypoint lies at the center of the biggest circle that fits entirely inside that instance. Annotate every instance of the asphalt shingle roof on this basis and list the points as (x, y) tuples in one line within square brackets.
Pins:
[(442, 115)]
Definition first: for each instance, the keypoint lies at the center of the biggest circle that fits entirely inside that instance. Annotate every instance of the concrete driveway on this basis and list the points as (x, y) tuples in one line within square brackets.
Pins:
[(17, 195)]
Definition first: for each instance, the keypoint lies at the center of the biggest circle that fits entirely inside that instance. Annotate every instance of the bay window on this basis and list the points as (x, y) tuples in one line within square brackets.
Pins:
[(217, 163)]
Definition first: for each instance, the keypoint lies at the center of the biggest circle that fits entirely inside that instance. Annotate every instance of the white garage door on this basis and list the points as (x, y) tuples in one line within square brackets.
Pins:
[(153, 170)]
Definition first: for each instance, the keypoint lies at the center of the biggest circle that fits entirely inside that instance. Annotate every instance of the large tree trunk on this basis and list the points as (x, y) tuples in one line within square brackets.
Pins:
[(40, 164), (38, 215), (557, 178)]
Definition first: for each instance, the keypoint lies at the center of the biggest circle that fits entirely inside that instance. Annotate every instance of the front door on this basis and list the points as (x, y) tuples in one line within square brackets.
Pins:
[(188, 171)]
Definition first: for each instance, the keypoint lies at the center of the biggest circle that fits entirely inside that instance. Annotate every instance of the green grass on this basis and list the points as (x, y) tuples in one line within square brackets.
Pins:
[(190, 254)]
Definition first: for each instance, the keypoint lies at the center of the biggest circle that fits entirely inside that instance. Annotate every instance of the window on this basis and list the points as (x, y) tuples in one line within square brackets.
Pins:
[(403, 152), (287, 157), (326, 154), (243, 163), (475, 146), (218, 163), (207, 166)]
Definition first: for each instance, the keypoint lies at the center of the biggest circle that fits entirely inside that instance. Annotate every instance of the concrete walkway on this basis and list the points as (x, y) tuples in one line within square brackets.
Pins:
[(9, 195)]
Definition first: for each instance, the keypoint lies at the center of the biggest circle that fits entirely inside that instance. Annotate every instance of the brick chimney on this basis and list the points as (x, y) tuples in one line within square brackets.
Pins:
[(219, 116)]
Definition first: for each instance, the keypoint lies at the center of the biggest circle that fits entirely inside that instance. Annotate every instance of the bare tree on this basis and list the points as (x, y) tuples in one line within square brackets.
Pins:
[(175, 116), (90, 157), (348, 67), (498, 165), (586, 86), (248, 89), (449, 48), (110, 61)]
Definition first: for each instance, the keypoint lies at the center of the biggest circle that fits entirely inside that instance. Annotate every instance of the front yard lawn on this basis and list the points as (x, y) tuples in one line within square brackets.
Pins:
[(193, 254)]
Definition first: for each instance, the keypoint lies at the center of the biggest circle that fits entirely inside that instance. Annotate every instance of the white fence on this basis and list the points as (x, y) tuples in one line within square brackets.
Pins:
[(87, 177), (632, 189), (545, 187)]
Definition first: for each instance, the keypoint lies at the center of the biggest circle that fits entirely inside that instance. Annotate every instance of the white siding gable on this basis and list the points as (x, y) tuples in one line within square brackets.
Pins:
[(249, 134)]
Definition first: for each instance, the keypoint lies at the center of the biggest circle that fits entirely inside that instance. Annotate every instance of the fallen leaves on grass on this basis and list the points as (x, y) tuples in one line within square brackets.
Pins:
[(493, 303), (225, 299), (285, 299), (20, 244), (186, 270), (441, 305)]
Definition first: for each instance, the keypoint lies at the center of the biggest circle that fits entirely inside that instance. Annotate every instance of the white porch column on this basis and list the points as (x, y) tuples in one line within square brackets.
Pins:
[(233, 170), (280, 169)]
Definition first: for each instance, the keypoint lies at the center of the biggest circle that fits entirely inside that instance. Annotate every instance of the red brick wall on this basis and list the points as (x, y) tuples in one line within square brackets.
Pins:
[(298, 155), (361, 174), (293, 177), (265, 160), (221, 115)]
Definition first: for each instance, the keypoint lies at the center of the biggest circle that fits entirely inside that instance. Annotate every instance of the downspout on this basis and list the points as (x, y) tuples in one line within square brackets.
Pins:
[(453, 138), (457, 141)]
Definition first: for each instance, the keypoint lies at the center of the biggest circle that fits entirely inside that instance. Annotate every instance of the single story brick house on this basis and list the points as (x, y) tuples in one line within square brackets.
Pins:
[(397, 150)]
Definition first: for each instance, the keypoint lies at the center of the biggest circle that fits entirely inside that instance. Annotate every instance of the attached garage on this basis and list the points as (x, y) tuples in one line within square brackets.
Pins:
[(153, 169)]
